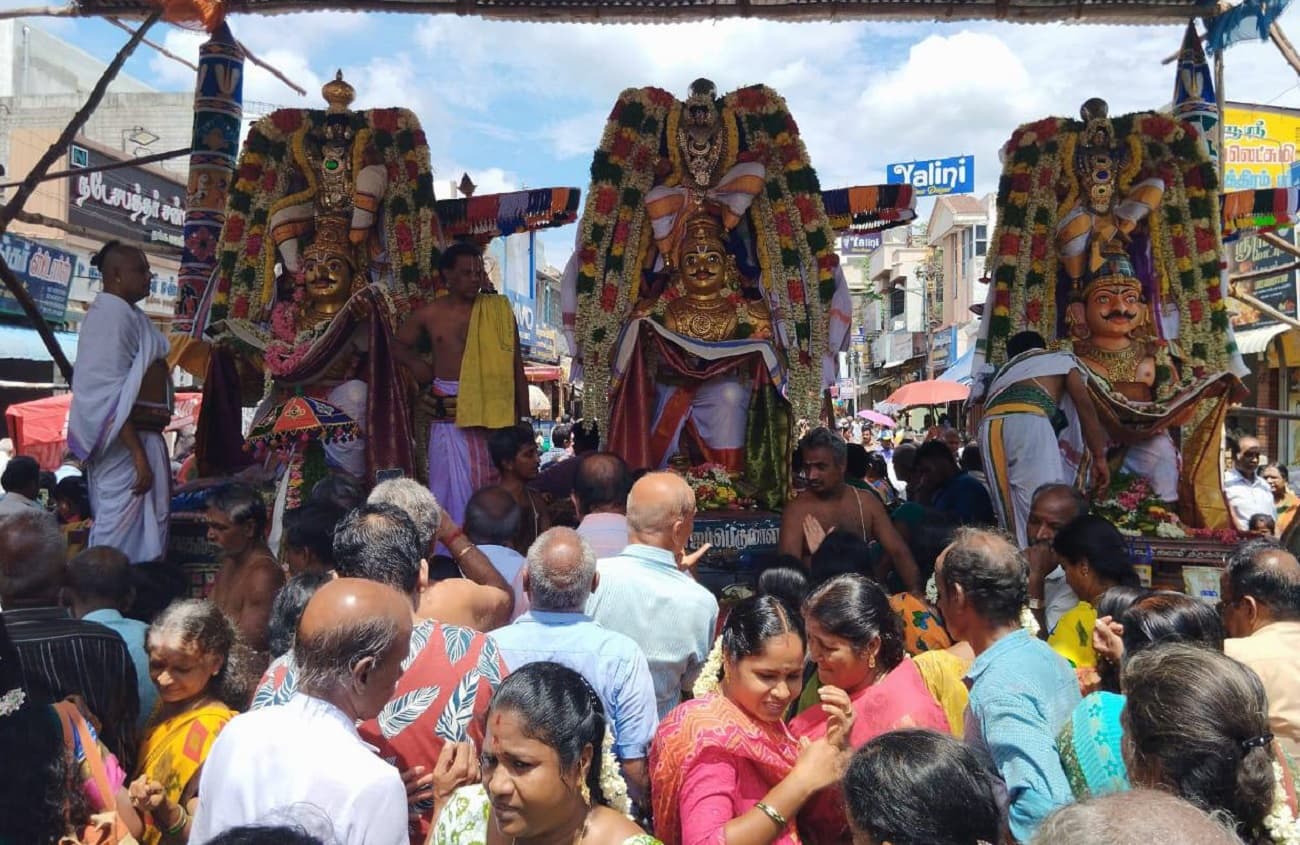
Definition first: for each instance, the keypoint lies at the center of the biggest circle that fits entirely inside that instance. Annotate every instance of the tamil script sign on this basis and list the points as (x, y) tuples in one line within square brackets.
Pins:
[(935, 176), (45, 272), (131, 203), (1260, 147), (1253, 255)]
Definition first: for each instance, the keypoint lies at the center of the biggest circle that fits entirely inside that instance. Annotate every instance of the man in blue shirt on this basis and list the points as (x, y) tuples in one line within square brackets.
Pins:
[(1021, 692), (559, 578), (942, 485), (99, 589)]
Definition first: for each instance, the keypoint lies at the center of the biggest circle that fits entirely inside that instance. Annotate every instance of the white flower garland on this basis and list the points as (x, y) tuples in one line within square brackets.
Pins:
[(1027, 618), (1280, 821), (612, 785), (710, 677), (12, 700)]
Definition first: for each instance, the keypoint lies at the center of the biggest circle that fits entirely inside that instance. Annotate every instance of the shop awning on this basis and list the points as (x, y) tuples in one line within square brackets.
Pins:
[(960, 369), (541, 373), (23, 344), (1255, 341)]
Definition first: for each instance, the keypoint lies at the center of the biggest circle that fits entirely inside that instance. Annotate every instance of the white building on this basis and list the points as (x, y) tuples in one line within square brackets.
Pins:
[(959, 231)]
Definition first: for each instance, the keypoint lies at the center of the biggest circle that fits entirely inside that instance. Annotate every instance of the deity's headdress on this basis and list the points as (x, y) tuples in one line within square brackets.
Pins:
[(1116, 269)]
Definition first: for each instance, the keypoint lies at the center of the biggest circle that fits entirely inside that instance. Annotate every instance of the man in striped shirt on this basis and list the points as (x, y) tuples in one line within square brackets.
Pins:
[(62, 656)]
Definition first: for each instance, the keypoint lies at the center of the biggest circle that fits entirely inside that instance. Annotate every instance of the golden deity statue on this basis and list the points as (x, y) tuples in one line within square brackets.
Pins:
[(711, 306), (1111, 325), (329, 273)]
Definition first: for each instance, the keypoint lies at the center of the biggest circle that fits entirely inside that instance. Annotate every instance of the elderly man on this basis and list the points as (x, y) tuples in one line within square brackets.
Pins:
[(600, 489), (304, 760), (99, 590), (830, 504), (1021, 692), (121, 402), (1247, 491), (492, 523), (448, 675), (1052, 507), (481, 599), (62, 656), (559, 578), (249, 576), (1260, 593), (21, 480), (1133, 816), (645, 595)]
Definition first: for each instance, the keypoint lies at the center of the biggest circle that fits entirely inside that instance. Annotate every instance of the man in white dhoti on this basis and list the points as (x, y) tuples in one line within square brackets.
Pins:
[(1036, 399), (121, 402)]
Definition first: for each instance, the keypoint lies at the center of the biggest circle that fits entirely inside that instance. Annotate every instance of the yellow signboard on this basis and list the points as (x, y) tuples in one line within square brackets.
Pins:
[(1260, 147)]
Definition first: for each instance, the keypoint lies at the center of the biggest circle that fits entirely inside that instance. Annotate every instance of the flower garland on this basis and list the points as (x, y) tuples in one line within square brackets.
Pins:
[(795, 247), (1130, 504), (274, 172), (714, 488), (709, 680), (612, 784), (1027, 619), (1281, 821), (1038, 186)]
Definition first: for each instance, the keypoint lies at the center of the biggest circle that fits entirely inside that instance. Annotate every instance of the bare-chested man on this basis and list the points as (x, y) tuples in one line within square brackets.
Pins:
[(828, 504), (1025, 414), (458, 455), (249, 577)]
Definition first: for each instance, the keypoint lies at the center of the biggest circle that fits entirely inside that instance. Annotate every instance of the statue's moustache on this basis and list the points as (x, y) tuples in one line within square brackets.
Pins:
[(1119, 315)]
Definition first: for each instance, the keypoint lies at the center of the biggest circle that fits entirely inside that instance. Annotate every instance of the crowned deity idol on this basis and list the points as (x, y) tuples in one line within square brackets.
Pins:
[(1110, 326)]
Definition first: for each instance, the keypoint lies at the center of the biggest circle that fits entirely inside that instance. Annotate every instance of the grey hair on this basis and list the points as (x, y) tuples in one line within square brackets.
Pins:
[(202, 623), (823, 438), (416, 501), (48, 542), (562, 587), (326, 661), (1074, 494), (1135, 817)]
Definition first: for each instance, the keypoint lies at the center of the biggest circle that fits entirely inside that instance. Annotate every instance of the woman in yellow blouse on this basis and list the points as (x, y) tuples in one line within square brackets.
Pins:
[(1284, 500), (1095, 557)]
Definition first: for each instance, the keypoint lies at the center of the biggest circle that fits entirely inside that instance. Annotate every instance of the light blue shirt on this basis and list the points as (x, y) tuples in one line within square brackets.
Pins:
[(505, 560), (1022, 693), (132, 632), (643, 595), (613, 664)]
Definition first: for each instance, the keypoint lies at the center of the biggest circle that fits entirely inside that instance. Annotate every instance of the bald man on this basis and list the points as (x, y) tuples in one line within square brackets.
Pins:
[(121, 402), (647, 593), (1260, 589), (310, 763)]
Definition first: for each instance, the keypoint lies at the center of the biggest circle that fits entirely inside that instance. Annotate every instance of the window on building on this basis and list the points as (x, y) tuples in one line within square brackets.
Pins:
[(897, 301), (981, 240), (967, 246)]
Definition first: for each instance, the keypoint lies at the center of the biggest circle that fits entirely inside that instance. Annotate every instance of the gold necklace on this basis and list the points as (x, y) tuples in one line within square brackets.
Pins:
[(1120, 364)]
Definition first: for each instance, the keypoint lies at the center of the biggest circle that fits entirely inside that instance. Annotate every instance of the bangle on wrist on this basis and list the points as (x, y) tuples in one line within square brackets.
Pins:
[(452, 537), (460, 555), (771, 812), (179, 824), (1035, 604)]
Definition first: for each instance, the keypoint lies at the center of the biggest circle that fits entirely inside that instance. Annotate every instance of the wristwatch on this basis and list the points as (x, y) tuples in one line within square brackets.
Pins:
[(1035, 604)]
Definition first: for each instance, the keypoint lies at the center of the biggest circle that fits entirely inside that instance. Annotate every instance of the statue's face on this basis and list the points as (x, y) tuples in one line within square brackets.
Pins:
[(328, 277), (1115, 309), (704, 265)]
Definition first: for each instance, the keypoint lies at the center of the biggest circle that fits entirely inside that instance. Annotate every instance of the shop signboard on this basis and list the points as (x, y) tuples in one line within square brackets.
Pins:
[(1250, 255), (933, 177), (130, 202), (1259, 147), (44, 271), (860, 243)]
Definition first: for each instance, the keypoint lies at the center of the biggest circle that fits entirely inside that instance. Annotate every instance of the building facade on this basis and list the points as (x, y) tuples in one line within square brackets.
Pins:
[(958, 235)]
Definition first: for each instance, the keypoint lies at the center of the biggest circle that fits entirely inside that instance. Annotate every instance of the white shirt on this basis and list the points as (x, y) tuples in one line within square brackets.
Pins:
[(302, 763), (606, 533), (504, 560), (1247, 498), (1058, 598)]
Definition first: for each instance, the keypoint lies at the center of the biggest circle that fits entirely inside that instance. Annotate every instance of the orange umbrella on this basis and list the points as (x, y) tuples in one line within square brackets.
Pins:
[(933, 392)]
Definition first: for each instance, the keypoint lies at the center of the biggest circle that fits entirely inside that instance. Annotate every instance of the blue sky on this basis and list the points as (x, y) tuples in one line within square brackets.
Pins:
[(518, 104)]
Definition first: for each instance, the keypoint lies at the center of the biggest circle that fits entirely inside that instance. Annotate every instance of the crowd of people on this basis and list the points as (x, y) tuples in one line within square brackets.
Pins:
[(903, 672)]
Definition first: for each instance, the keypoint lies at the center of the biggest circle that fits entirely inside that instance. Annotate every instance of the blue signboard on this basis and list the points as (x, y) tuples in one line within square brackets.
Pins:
[(45, 272), (935, 176)]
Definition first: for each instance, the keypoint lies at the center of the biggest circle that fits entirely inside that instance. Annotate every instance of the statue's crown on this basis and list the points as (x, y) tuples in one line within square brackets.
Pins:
[(331, 238), (1116, 269), (338, 93)]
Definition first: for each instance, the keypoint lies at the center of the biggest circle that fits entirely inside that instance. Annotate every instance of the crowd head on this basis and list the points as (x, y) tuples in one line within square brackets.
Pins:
[(1094, 556), (307, 544), (854, 636), (763, 646), (236, 518), (22, 475), (1259, 585), (191, 645), (601, 483), (492, 517), (661, 511), (1133, 817), (1053, 507), (513, 451), (32, 559), (983, 582), (824, 459), (380, 543), (413, 499), (561, 571)]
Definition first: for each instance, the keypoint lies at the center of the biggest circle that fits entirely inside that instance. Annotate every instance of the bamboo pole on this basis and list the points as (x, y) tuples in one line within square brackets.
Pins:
[(1260, 305), (116, 165), (155, 45), (1264, 274), (302, 92), (28, 187), (1279, 242), (1284, 46)]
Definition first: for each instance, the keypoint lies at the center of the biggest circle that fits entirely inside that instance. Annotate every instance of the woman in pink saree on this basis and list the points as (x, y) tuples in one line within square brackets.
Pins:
[(856, 640), (725, 770)]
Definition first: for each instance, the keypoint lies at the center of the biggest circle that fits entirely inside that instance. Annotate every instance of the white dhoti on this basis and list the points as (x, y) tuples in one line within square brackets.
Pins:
[(134, 524), (1156, 459), (118, 346), (717, 410), (351, 398), (459, 463), (1021, 452)]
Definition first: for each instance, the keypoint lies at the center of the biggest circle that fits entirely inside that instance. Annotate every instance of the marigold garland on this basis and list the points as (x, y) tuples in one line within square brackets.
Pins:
[(272, 173), (794, 250), (1038, 185)]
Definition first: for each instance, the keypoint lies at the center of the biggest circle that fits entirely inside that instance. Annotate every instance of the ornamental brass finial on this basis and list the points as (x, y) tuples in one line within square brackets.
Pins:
[(338, 93)]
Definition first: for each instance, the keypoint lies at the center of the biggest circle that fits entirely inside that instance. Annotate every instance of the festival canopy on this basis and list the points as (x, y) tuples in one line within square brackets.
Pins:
[(642, 11), (932, 392)]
